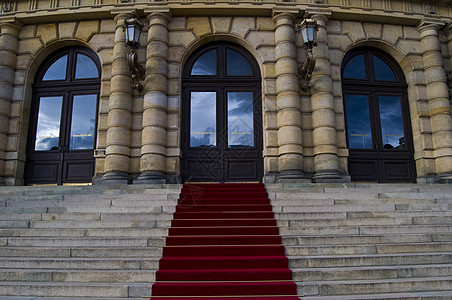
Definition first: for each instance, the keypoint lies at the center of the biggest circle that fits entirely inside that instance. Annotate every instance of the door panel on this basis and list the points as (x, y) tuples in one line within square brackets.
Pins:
[(377, 118), (63, 122)]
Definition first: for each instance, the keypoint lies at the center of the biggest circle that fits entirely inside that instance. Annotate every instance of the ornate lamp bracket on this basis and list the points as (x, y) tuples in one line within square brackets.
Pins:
[(132, 28), (308, 28)]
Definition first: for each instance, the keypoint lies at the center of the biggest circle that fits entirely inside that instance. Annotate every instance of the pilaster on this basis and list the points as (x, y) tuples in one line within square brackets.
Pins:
[(9, 41), (290, 149), (155, 105), (326, 162), (120, 112), (438, 98)]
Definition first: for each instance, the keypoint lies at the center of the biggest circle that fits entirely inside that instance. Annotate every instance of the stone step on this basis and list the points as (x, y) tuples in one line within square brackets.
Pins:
[(79, 242), (399, 285), (393, 296), (367, 249), (338, 261), (306, 240), (88, 252), (67, 289), (335, 208), (74, 263), (49, 275), (111, 209), (161, 201), (356, 222), (98, 224), (366, 230), (371, 272)]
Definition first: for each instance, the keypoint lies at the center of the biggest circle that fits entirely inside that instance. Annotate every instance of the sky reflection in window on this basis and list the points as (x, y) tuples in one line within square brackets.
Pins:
[(383, 71), (237, 65), (203, 122), (48, 128), (355, 68), (240, 119), (358, 121), (206, 64), (57, 71), (391, 122), (83, 122), (85, 67)]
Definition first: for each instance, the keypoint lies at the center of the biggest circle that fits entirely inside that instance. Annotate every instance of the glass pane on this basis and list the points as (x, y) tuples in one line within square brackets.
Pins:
[(48, 129), (203, 119), (83, 122), (240, 119), (57, 71), (391, 122), (358, 121), (355, 68), (85, 68), (237, 64), (383, 71), (206, 64)]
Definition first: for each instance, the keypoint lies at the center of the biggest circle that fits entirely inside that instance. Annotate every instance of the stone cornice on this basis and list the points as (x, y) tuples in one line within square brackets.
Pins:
[(398, 12)]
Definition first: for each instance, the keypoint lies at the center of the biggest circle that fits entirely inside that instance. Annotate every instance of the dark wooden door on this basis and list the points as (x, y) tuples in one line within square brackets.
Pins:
[(222, 122), (377, 118), (64, 120)]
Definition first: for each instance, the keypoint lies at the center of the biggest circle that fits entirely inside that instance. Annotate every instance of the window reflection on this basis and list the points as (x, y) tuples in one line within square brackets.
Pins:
[(355, 68), (358, 121), (391, 122), (206, 64), (48, 128), (240, 119), (383, 71), (203, 113), (237, 65), (85, 67), (83, 122), (57, 71)]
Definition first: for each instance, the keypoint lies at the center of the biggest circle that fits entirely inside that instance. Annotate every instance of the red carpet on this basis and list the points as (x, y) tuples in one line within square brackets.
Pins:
[(224, 244)]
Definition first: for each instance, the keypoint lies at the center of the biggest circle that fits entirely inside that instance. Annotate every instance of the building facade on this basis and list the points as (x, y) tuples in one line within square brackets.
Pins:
[(222, 97)]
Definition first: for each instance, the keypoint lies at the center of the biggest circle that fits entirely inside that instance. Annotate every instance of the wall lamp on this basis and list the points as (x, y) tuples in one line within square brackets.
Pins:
[(308, 28), (132, 28)]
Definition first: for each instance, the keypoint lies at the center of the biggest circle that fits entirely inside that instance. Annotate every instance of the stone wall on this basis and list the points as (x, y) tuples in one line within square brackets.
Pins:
[(295, 126)]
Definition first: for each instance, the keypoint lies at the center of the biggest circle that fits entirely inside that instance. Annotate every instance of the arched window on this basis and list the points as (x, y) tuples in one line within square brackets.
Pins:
[(377, 117), (63, 120), (222, 137)]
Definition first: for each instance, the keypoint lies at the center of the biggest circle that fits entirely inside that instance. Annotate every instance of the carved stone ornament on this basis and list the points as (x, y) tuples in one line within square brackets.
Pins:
[(319, 1), (431, 8), (7, 6)]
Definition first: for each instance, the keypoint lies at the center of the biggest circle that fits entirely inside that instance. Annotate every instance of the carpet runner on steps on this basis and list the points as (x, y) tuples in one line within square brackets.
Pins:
[(224, 244)]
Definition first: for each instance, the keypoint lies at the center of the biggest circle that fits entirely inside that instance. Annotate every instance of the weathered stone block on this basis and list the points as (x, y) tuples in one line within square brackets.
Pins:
[(221, 24), (354, 30), (373, 30), (242, 25), (181, 38), (391, 33), (86, 29), (66, 30), (199, 25)]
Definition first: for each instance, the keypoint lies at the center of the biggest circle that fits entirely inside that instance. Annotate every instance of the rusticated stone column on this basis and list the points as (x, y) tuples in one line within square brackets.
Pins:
[(438, 99), (290, 149), (326, 162), (9, 41), (120, 112), (153, 148)]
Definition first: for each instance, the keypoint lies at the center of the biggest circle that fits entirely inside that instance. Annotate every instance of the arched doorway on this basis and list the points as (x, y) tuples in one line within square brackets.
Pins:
[(377, 118), (63, 119), (221, 116)]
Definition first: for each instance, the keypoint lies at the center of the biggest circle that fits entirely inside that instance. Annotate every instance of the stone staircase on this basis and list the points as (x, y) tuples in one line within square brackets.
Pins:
[(82, 242), (351, 241), (367, 241)]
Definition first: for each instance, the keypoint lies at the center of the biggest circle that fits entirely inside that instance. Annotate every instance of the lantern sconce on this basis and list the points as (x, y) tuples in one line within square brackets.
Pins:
[(308, 28), (132, 28)]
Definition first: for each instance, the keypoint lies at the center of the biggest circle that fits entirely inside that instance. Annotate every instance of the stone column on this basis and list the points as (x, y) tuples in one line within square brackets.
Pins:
[(155, 105), (290, 149), (438, 99), (9, 42), (120, 112), (326, 162)]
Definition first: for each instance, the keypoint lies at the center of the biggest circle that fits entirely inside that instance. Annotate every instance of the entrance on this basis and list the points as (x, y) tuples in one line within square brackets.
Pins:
[(222, 121), (63, 119), (377, 118)]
